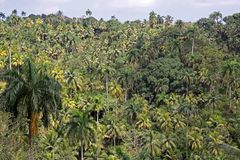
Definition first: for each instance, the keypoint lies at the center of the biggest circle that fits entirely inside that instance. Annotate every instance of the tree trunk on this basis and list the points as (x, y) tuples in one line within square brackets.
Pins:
[(152, 157), (80, 153), (97, 135), (230, 97), (114, 142), (10, 60), (193, 43), (107, 85), (187, 140), (33, 126), (97, 118), (33, 132), (134, 136), (126, 95)]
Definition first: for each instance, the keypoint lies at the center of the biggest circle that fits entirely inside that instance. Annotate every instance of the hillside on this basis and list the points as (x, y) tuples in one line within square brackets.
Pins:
[(83, 88)]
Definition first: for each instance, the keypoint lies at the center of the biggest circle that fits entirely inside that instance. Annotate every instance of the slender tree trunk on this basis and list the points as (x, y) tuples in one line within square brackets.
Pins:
[(193, 44), (187, 140), (107, 85), (97, 118), (126, 95), (114, 137), (10, 59), (80, 156), (213, 109), (134, 137), (152, 157), (114, 142), (97, 135), (230, 97)]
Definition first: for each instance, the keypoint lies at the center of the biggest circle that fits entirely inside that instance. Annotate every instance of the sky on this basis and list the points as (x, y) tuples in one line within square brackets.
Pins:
[(187, 10)]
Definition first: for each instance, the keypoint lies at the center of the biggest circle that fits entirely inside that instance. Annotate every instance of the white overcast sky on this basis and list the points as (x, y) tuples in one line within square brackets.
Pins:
[(187, 10)]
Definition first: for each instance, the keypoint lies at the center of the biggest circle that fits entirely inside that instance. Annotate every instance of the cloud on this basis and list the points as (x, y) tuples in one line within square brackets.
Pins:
[(210, 3), (2, 1), (55, 1), (50, 10), (121, 4)]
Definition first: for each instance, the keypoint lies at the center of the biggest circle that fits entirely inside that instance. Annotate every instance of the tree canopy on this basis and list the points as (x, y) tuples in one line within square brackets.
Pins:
[(83, 88)]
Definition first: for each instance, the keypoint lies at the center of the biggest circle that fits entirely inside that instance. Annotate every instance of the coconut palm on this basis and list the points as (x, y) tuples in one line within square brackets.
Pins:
[(113, 131), (230, 74), (80, 129), (151, 145), (30, 93), (152, 19), (188, 110), (191, 35), (2, 15)]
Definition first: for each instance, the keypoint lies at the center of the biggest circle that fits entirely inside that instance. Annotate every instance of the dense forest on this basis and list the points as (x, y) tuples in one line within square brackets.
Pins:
[(83, 88)]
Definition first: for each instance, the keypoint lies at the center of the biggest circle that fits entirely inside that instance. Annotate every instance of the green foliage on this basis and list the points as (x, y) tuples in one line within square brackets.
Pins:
[(111, 90)]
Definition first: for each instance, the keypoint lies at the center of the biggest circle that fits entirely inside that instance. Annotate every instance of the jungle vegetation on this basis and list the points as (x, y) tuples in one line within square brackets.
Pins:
[(83, 88)]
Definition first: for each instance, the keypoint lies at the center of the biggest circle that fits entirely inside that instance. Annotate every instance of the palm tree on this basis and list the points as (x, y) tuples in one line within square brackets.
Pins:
[(216, 17), (151, 145), (98, 104), (160, 19), (143, 122), (114, 130), (191, 34), (179, 23), (57, 147), (116, 90), (195, 139), (72, 82), (188, 110), (213, 100), (230, 74), (23, 14), (152, 19), (132, 111), (105, 72), (164, 120), (2, 15), (168, 20), (134, 56), (88, 13), (14, 12), (80, 128), (30, 93), (127, 79)]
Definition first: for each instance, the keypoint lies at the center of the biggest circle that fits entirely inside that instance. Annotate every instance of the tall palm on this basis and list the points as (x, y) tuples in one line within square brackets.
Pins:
[(30, 93), (127, 79), (191, 35), (114, 130), (168, 144), (179, 24), (98, 104), (152, 19), (213, 100), (72, 82), (81, 128), (230, 74), (2, 15), (168, 20), (151, 145), (188, 110)]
